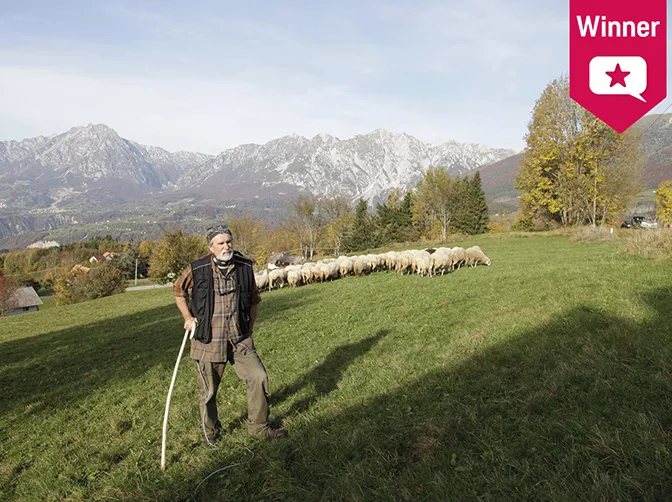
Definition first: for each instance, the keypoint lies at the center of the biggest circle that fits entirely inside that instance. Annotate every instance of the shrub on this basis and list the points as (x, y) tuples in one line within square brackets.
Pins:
[(173, 253), (82, 286), (7, 290), (523, 225)]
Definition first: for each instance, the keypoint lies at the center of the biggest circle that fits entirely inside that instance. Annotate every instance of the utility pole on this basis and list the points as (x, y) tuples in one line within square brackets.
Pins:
[(136, 271)]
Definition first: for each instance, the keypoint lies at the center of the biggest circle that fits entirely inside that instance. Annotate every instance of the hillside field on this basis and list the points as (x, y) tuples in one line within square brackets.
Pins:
[(547, 376)]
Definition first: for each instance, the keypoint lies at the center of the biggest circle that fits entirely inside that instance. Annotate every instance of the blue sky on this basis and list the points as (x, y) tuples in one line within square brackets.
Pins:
[(209, 75)]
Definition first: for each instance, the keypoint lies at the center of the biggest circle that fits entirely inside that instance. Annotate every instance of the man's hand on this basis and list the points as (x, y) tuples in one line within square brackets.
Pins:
[(190, 323)]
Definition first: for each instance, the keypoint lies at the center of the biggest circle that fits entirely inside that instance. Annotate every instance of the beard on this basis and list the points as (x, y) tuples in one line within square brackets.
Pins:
[(225, 255)]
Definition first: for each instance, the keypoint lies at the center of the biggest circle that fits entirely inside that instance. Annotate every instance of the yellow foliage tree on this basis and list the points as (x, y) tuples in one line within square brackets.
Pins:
[(174, 251), (437, 202), (339, 218), (575, 168), (249, 236), (664, 203)]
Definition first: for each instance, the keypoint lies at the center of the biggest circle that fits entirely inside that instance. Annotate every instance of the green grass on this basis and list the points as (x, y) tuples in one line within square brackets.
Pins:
[(546, 376), (47, 303), (144, 281)]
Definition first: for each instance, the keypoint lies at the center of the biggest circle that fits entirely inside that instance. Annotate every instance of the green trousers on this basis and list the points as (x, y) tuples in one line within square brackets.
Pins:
[(249, 368)]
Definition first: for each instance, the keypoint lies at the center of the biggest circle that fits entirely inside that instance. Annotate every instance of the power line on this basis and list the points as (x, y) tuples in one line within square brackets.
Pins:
[(658, 117)]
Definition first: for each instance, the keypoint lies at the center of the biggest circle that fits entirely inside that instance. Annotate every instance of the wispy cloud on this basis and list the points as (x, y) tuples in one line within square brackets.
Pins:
[(210, 75)]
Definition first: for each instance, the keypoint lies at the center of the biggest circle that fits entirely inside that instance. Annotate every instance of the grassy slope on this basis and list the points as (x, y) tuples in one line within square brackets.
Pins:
[(546, 376)]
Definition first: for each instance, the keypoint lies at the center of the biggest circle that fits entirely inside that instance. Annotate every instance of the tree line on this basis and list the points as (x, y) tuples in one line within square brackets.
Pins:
[(438, 206), (576, 170)]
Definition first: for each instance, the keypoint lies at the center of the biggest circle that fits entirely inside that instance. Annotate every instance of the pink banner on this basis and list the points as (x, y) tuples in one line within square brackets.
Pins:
[(618, 58)]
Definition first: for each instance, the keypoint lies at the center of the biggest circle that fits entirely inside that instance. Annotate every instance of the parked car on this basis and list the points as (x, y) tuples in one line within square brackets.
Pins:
[(634, 222), (639, 222)]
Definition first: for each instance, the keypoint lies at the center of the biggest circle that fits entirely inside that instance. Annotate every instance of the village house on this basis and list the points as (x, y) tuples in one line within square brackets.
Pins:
[(25, 300), (106, 256)]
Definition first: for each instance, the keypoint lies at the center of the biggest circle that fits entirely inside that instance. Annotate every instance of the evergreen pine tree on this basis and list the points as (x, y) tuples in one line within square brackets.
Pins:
[(385, 221), (464, 213), (406, 217), (479, 206), (363, 235)]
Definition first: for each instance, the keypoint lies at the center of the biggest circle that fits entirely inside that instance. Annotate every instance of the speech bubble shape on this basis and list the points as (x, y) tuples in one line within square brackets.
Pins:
[(602, 83)]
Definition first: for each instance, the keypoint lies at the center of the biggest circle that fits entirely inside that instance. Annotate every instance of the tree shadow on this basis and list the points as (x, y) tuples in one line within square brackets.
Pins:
[(56, 369), (579, 408), (322, 380)]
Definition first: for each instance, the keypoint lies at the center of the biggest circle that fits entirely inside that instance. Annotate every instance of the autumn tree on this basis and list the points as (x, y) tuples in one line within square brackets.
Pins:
[(7, 290), (664, 203), (249, 236), (306, 219), (338, 219), (436, 201), (130, 260), (173, 252), (575, 168), (99, 282)]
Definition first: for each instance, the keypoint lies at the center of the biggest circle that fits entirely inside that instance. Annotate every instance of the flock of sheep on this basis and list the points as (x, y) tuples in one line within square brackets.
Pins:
[(426, 262)]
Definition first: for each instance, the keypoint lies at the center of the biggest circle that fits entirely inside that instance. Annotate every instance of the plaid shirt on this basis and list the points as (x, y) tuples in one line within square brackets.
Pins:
[(225, 313)]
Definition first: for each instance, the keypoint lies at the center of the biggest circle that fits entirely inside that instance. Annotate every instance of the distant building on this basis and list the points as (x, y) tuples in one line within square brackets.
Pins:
[(78, 268), (44, 245), (106, 256), (282, 260), (26, 300)]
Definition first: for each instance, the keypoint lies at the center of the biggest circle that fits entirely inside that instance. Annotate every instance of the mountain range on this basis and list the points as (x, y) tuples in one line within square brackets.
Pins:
[(91, 175), (94, 165)]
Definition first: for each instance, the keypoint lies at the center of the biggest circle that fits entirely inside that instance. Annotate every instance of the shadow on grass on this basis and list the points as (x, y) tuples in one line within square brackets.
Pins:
[(322, 379), (56, 369), (579, 408)]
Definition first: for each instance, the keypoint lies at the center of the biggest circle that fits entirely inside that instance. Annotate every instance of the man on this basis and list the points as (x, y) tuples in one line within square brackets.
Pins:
[(223, 308)]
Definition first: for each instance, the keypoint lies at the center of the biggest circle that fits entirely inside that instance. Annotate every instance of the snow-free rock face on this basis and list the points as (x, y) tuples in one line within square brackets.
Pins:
[(94, 164)]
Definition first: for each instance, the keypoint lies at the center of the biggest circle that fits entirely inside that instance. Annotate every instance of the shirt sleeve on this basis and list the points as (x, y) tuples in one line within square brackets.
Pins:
[(182, 286)]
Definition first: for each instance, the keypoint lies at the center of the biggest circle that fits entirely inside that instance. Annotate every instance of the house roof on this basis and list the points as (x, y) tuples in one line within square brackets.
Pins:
[(26, 297), (80, 267)]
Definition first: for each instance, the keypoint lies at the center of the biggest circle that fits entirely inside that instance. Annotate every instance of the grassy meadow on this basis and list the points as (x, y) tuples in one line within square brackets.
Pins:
[(547, 376)]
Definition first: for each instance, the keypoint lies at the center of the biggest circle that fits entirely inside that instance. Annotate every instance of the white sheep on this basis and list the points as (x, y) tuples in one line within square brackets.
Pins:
[(387, 260), (423, 264), (276, 278), (306, 275), (346, 267), (458, 257), (360, 266), (316, 273), (333, 270), (261, 278), (420, 258), (374, 261), (294, 278), (441, 260), (404, 262), (474, 256)]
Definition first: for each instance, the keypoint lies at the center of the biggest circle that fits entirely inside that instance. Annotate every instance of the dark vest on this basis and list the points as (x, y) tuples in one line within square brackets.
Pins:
[(203, 295)]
